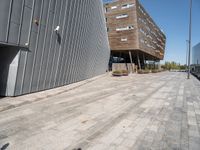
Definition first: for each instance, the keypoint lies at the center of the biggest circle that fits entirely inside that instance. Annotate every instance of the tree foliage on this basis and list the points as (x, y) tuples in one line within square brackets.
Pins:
[(173, 66)]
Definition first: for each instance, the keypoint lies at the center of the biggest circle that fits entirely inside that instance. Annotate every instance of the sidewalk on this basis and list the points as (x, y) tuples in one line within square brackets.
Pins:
[(158, 111), (13, 102)]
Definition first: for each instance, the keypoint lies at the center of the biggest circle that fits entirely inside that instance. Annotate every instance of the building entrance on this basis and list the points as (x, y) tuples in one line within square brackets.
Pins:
[(8, 67)]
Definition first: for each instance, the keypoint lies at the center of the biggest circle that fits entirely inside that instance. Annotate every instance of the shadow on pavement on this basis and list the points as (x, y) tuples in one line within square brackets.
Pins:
[(4, 147)]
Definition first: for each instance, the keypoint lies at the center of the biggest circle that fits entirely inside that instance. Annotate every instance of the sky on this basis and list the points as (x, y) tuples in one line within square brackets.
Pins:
[(172, 16)]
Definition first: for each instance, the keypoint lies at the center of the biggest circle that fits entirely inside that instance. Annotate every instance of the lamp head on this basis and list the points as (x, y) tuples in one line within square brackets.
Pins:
[(57, 28)]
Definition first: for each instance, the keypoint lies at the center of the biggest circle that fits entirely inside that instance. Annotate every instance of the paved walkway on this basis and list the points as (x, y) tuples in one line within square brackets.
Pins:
[(7, 103), (154, 111)]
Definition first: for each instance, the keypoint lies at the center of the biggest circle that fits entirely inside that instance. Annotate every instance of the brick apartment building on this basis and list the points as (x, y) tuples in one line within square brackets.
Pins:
[(133, 35)]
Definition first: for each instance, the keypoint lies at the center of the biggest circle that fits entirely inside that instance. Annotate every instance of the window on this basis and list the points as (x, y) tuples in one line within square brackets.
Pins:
[(128, 6), (124, 39), (125, 28), (157, 51), (153, 47), (141, 40), (113, 7), (149, 36), (122, 29), (148, 28), (142, 20), (106, 9), (124, 6), (142, 31), (131, 5), (131, 27), (122, 16), (107, 29), (153, 33), (154, 42), (159, 39), (142, 10), (159, 46)]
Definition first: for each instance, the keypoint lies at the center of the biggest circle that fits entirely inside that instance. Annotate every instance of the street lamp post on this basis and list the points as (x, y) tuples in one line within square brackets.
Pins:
[(187, 49), (190, 33)]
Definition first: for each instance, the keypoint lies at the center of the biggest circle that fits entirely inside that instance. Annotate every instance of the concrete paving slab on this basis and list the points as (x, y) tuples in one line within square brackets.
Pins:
[(155, 111)]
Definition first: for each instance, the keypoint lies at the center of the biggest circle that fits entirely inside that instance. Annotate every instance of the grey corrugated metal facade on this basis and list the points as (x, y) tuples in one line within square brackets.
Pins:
[(33, 57)]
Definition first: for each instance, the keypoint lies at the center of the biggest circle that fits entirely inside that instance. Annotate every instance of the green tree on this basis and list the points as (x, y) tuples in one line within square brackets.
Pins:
[(173, 66)]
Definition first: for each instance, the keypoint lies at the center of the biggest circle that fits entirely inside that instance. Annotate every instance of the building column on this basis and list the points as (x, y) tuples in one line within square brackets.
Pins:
[(139, 65), (125, 61), (130, 55), (144, 61), (154, 64)]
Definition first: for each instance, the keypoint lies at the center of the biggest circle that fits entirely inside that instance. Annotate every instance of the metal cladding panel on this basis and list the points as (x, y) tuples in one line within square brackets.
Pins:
[(58, 44), (36, 67), (16, 11), (13, 33), (12, 73), (79, 37), (5, 18), (62, 53), (45, 12), (66, 42), (68, 47), (52, 49), (25, 25), (27, 69), (38, 5), (73, 43), (84, 43), (20, 73), (78, 51), (28, 3), (15, 18), (46, 47)]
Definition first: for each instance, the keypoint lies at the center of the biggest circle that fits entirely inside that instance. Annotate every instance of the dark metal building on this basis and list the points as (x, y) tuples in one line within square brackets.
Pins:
[(50, 43), (195, 67), (196, 54)]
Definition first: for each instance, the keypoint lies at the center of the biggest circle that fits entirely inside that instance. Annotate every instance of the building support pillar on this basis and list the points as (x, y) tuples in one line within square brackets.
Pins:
[(144, 61), (130, 55), (139, 65), (125, 61)]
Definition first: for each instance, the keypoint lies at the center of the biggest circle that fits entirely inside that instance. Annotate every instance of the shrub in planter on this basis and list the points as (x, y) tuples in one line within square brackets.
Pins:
[(124, 72), (154, 71), (143, 71), (146, 71), (117, 73)]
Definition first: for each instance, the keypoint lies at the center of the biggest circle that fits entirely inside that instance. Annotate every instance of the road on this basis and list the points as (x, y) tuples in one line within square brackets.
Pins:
[(138, 112)]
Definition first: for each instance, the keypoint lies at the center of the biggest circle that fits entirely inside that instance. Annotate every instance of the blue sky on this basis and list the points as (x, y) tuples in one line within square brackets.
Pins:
[(173, 16)]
